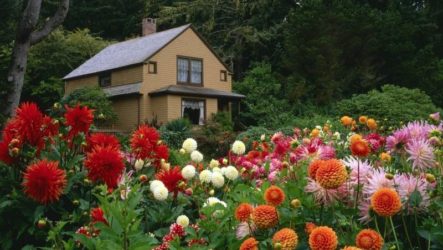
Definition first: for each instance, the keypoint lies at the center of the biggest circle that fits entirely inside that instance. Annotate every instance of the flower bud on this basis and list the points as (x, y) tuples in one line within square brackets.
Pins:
[(139, 164), (277, 246), (76, 202), (143, 178), (182, 151), (41, 223), (430, 178), (225, 161), (295, 203), (15, 152), (101, 116), (389, 176), (188, 191), (211, 192)]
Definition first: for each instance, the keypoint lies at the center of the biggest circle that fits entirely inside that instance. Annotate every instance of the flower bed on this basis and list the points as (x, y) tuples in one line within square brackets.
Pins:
[(66, 187)]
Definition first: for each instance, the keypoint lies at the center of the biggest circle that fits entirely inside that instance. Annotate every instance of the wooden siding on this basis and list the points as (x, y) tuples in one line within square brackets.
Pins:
[(126, 109), (127, 75), (159, 108), (89, 81)]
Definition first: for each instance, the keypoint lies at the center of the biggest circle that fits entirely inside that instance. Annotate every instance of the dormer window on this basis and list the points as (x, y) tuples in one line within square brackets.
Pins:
[(104, 79), (223, 75), (190, 71), (152, 67)]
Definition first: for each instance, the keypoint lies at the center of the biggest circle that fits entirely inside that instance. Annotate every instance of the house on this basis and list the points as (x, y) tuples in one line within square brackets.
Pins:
[(160, 76)]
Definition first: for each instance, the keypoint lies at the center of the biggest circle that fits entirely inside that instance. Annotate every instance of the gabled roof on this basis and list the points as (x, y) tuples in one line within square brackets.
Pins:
[(133, 52), (194, 91), (130, 52)]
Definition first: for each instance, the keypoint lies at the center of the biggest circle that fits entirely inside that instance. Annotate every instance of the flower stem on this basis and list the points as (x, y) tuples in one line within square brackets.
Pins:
[(406, 231), (358, 184), (393, 230)]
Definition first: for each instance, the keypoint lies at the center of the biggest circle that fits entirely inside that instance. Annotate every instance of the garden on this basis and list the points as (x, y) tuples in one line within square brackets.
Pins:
[(65, 186)]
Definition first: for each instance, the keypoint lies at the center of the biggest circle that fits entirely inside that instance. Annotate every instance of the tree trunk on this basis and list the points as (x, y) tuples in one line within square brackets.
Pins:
[(28, 35), (16, 75)]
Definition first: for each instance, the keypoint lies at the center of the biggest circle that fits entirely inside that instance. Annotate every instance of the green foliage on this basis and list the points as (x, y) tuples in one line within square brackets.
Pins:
[(5, 55), (224, 119), (94, 98), (214, 140), (392, 104), (175, 132), (263, 104), (253, 134), (338, 48), (53, 58)]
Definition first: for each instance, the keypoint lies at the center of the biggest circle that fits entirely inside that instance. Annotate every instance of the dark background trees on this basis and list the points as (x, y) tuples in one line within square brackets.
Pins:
[(320, 51)]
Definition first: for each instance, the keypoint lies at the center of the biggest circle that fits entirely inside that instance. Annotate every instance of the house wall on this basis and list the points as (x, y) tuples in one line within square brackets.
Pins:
[(159, 108), (127, 110), (187, 44), (122, 76)]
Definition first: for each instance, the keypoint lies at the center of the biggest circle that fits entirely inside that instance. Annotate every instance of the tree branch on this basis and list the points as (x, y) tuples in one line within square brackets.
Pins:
[(29, 20), (51, 23)]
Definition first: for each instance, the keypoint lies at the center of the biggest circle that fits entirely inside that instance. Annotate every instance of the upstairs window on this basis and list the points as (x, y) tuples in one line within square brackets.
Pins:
[(190, 71), (223, 75), (152, 67), (104, 80)]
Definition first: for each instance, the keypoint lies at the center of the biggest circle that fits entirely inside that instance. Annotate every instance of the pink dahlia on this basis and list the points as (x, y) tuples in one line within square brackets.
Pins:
[(421, 154), (408, 185), (321, 195)]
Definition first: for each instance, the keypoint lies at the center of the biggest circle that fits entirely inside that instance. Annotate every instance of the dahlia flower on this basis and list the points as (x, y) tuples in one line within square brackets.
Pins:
[(97, 215), (238, 147), (105, 164), (249, 244), (44, 181), (244, 229), (205, 176), (231, 173), (331, 174), (435, 116), (420, 153), (196, 156), (79, 119), (243, 212), (321, 194), (183, 220), (217, 180), (323, 238), (103, 140), (188, 172), (407, 185), (154, 184), (274, 196), (189, 145), (368, 239), (160, 193), (386, 202), (286, 238), (214, 163), (265, 216), (171, 179)]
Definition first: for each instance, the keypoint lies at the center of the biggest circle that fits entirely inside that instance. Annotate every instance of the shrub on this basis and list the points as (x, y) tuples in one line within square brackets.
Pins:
[(175, 132), (94, 98), (392, 105)]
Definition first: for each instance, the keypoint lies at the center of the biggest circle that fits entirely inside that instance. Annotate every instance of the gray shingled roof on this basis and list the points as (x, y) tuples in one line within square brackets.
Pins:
[(126, 89), (127, 53), (194, 91)]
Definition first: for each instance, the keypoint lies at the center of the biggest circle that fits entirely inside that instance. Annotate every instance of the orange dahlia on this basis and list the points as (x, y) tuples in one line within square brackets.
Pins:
[(44, 181), (386, 202), (351, 248), (249, 244), (360, 148), (309, 227), (313, 167), (315, 132), (355, 137), (287, 238), (363, 119), (332, 174), (243, 212), (372, 124), (265, 216), (274, 196), (346, 120), (369, 239), (323, 238)]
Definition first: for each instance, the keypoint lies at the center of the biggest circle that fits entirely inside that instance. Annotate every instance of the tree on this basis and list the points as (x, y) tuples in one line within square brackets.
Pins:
[(29, 33)]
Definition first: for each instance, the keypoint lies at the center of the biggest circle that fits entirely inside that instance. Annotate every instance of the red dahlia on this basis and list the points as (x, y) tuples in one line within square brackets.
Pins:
[(97, 215), (171, 178), (44, 181), (145, 144), (102, 140), (79, 119), (105, 164)]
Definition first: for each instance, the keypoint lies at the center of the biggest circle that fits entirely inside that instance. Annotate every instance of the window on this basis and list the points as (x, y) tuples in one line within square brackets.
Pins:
[(223, 75), (189, 71), (194, 111), (152, 67), (104, 80)]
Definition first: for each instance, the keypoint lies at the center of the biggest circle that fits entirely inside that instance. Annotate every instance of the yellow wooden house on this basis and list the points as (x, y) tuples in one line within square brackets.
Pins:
[(161, 75)]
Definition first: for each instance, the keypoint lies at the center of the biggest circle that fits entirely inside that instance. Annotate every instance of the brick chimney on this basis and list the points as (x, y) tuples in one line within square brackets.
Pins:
[(149, 26)]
